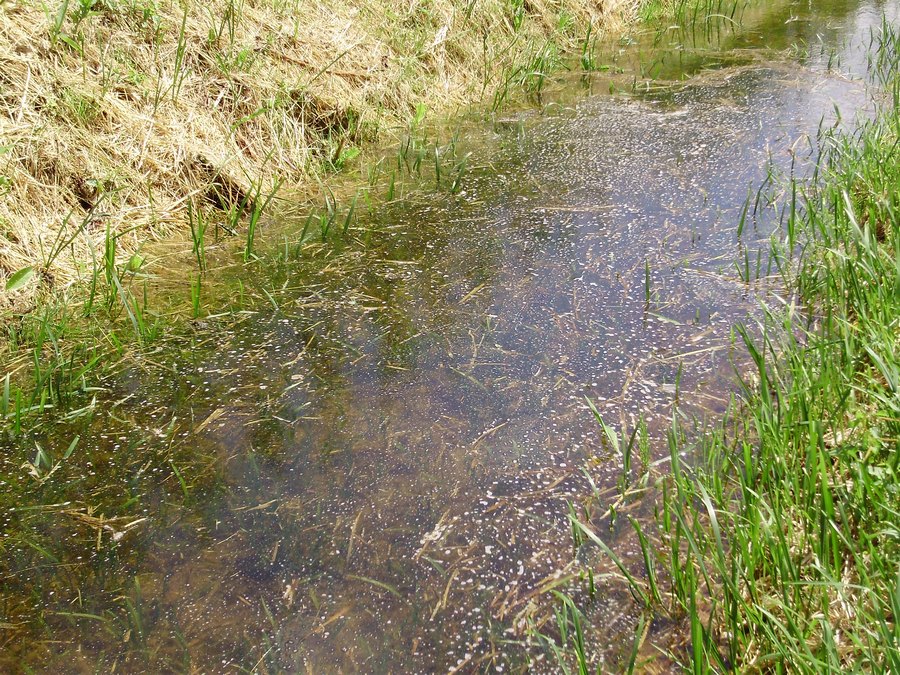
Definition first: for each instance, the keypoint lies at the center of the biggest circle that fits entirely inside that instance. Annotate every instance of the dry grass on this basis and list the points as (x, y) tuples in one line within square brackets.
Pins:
[(115, 113)]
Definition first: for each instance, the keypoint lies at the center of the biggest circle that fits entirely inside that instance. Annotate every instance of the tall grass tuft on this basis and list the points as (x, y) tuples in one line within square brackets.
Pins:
[(798, 512), (780, 546)]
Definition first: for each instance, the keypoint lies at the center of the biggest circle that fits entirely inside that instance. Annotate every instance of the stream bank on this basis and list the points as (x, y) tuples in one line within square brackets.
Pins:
[(361, 453)]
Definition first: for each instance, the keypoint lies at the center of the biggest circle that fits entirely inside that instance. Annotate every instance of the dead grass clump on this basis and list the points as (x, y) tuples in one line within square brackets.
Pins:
[(115, 113)]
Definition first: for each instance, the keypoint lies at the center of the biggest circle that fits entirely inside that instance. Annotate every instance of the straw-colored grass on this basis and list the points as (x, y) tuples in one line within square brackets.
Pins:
[(114, 113)]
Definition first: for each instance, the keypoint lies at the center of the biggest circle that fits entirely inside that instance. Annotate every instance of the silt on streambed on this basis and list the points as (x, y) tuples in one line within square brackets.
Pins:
[(371, 469)]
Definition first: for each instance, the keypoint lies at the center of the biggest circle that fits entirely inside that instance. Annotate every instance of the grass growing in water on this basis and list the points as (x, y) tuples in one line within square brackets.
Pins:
[(253, 129), (778, 530)]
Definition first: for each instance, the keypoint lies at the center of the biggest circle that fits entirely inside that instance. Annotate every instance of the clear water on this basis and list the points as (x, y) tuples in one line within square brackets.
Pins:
[(375, 476)]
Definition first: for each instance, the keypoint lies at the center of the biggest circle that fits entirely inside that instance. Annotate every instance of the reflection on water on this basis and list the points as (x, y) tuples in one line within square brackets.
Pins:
[(371, 472)]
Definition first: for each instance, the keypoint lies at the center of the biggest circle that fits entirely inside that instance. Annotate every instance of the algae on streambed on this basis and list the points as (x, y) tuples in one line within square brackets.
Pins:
[(366, 465)]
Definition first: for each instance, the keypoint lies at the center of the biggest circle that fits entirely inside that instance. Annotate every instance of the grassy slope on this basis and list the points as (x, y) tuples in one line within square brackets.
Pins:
[(780, 550), (118, 113), (808, 495)]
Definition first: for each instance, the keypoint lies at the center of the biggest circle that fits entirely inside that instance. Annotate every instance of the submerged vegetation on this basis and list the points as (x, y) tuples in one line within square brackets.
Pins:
[(126, 124), (776, 544), (147, 483)]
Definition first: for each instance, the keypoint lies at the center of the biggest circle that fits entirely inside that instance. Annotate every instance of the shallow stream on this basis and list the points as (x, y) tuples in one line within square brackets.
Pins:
[(370, 471)]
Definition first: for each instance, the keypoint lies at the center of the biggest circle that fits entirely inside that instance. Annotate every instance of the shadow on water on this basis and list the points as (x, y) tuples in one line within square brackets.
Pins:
[(370, 471)]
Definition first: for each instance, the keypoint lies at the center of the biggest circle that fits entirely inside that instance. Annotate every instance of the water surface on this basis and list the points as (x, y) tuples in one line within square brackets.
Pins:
[(370, 471)]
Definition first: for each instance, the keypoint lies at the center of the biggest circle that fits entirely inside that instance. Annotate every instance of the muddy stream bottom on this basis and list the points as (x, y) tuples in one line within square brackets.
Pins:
[(372, 473)]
